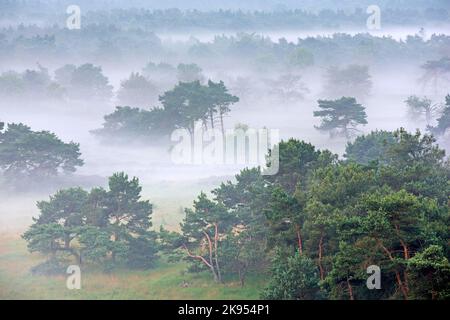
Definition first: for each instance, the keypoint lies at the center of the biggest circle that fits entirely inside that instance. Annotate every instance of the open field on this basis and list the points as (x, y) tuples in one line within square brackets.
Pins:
[(162, 282)]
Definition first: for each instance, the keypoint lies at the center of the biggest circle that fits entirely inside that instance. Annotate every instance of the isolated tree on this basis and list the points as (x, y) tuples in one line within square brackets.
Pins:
[(422, 108), (30, 154), (443, 122), (340, 116), (137, 91)]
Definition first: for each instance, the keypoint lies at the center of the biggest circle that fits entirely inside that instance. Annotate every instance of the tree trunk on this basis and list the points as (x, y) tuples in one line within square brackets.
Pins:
[(322, 275), (210, 247), (299, 240), (191, 135), (242, 277), (211, 118), (221, 127), (350, 290), (210, 266), (397, 274), (216, 239), (405, 256)]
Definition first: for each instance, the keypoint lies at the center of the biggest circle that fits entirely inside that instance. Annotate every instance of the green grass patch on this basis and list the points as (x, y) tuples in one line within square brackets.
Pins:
[(162, 282)]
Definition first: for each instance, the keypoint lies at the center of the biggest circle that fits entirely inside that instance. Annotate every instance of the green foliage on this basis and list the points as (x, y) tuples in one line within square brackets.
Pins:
[(370, 147), (84, 81), (105, 227), (301, 58), (35, 154), (182, 107), (50, 267), (126, 122), (297, 160), (340, 116), (430, 274)]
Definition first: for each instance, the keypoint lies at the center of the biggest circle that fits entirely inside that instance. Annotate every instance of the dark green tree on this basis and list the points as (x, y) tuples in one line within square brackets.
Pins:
[(31, 154), (370, 147), (340, 116), (293, 278), (203, 229), (430, 274)]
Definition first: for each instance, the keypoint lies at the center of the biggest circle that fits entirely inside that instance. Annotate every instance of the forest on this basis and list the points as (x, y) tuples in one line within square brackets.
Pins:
[(90, 123)]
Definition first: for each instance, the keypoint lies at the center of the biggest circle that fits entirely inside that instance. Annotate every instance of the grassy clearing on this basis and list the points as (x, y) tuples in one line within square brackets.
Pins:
[(162, 282)]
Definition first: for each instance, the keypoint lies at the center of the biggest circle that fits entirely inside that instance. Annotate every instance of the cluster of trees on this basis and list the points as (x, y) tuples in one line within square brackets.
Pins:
[(84, 81), (33, 155), (72, 82), (108, 44), (182, 107), (339, 49), (105, 227), (69, 81), (320, 222), (315, 226), (29, 84)]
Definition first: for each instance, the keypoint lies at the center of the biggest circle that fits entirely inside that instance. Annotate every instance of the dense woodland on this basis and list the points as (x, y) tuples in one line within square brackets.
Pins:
[(312, 229), (316, 225)]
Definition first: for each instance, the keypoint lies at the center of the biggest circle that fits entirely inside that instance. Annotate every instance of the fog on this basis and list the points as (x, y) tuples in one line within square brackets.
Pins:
[(172, 186)]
